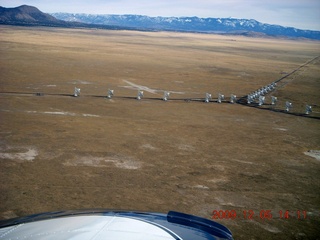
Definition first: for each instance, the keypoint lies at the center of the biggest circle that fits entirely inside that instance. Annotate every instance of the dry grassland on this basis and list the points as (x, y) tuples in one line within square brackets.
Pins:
[(58, 152)]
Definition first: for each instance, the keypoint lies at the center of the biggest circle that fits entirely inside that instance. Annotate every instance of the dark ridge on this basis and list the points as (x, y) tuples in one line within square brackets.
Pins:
[(31, 16)]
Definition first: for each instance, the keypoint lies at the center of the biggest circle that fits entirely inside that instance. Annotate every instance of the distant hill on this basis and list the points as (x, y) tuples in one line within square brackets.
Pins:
[(27, 15), (248, 27), (32, 16)]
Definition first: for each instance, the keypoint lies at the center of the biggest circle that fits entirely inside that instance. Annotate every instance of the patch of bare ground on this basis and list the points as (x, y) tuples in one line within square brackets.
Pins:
[(59, 152)]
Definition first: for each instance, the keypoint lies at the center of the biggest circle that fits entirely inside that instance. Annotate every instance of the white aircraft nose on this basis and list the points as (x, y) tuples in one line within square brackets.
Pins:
[(88, 227)]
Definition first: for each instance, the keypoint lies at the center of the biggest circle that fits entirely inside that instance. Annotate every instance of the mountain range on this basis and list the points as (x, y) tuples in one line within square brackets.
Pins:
[(191, 24), (28, 15)]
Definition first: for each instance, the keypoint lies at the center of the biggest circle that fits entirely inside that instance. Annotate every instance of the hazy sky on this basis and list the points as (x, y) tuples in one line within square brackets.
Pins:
[(303, 14)]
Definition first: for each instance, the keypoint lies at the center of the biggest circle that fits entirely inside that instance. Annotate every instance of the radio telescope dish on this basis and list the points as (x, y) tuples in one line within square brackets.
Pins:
[(266, 89), (251, 98), (110, 93), (274, 100), (166, 96), (272, 86), (288, 106), (233, 98), (208, 97), (140, 95), (220, 98), (308, 109), (261, 100), (76, 92)]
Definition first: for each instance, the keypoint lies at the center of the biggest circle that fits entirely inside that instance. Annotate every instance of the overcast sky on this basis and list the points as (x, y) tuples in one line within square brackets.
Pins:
[(303, 14)]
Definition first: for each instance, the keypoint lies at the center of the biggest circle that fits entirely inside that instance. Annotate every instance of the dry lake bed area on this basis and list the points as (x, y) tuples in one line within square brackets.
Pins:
[(60, 152)]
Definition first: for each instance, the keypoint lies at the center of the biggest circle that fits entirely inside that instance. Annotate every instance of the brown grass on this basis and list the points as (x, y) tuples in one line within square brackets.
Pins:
[(58, 152)]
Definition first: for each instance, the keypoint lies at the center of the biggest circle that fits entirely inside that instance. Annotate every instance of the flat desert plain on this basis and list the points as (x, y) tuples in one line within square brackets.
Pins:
[(59, 152)]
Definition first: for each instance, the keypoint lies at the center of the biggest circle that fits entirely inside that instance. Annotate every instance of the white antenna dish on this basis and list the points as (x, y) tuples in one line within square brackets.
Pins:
[(288, 106), (308, 109), (274, 100), (140, 95), (260, 92), (261, 100), (110, 93), (272, 86), (220, 98), (208, 97), (76, 92), (166, 96), (264, 90), (233, 98)]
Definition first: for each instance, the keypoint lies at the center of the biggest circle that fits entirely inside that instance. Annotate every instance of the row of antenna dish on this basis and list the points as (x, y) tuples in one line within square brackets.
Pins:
[(260, 96), (257, 95), (308, 108), (166, 95)]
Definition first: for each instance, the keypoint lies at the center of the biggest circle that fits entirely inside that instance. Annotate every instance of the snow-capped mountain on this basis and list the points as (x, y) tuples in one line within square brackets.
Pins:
[(193, 24)]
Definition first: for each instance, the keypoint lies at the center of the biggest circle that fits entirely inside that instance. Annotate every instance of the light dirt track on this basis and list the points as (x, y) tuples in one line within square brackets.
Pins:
[(59, 152)]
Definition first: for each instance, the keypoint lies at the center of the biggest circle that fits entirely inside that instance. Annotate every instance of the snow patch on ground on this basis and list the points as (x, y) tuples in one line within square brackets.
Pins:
[(266, 227), (202, 187), (81, 82), (137, 87), (60, 113), (281, 129), (148, 146), (313, 153), (12, 154), (90, 115), (186, 147), (117, 161), (224, 202), (65, 114), (245, 162)]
